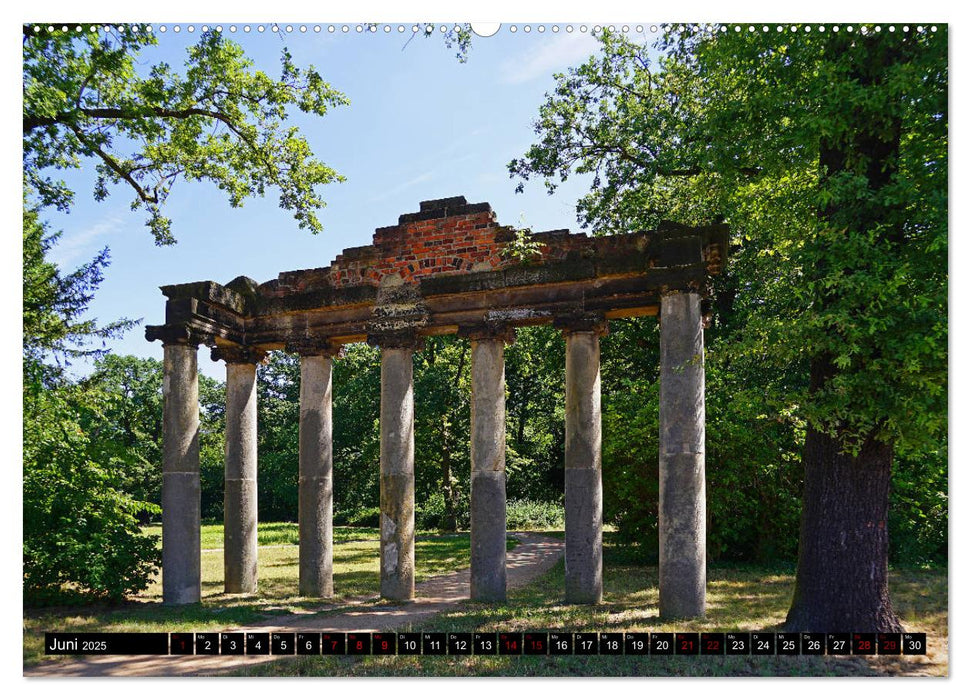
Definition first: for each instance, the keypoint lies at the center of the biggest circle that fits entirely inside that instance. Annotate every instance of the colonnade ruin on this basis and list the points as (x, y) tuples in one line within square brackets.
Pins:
[(442, 270)]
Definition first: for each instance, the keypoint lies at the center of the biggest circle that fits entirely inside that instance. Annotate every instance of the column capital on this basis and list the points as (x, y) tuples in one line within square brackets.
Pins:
[(489, 330), (689, 287), (399, 338), (179, 335), (314, 347), (581, 323), (238, 354)]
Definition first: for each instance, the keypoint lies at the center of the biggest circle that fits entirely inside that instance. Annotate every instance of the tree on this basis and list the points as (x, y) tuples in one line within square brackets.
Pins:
[(218, 121), (827, 154), (53, 306), (442, 434), (81, 532), (128, 428)]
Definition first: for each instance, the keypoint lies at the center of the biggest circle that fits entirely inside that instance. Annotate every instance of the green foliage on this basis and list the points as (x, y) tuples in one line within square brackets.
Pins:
[(357, 439), (356, 403), (87, 95), (359, 517), (918, 510), (733, 124), (442, 415), (524, 514), (431, 514), (459, 37), (81, 534), (535, 420), (831, 262), (523, 248), (129, 426), (278, 417), (53, 304)]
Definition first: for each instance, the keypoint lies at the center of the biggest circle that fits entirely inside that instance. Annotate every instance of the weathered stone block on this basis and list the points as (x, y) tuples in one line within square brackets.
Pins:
[(240, 535), (398, 536), (315, 497), (181, 547), (584, 536), (681, 515), (488, 523)]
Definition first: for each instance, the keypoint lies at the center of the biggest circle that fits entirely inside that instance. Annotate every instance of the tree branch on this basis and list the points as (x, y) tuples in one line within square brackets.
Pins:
[(67, 118), (113, 164)]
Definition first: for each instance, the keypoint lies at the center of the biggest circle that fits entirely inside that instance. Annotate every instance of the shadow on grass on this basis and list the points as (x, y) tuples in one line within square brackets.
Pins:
[(745, 598)]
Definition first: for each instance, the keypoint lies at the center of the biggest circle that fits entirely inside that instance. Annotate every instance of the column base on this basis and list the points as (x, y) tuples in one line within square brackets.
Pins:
[(316, 537), (240, 536), (398, 536)]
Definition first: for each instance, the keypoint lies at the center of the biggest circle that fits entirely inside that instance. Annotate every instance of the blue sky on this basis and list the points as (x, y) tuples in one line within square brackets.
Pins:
[(420, 125)]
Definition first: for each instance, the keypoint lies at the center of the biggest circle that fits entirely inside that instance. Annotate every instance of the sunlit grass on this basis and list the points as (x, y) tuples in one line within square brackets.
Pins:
[(356, 576), (740, 598), (268, 534)]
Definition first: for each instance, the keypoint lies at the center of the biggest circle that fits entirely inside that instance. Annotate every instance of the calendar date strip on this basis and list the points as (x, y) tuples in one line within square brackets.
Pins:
[(485, 643)]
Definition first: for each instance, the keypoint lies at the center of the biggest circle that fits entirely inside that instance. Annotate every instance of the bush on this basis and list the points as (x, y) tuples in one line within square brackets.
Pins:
[(81, 532), (430, 514), (359, 517), (523, 514)]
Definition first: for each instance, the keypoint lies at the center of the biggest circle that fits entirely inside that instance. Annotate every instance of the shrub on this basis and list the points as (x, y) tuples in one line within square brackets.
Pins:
[(81, 532), (524, 514)]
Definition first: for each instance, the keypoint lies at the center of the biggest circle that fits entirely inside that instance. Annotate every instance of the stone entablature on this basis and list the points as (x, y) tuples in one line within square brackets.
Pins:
[(442, 268)]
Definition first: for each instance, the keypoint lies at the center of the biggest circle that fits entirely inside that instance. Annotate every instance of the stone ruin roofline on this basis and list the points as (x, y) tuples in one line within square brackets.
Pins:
[(442, 268)]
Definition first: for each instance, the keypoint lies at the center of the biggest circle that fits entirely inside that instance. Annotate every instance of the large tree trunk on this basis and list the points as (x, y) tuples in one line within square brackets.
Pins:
[(841, 579)]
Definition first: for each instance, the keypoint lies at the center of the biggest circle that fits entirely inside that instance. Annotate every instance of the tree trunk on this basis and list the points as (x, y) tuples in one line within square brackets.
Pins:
[(449, 494), (841, 578), (450, 523)]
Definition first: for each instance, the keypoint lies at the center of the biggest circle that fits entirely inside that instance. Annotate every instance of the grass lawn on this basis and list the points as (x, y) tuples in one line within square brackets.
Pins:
[(356, 575), (271, 534), (739, 598)]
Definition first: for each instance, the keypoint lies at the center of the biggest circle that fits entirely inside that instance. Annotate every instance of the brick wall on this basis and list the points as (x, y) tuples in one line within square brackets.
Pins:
[(447, 236)]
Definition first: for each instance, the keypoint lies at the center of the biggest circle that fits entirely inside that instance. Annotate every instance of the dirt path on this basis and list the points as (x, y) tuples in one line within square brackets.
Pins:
[(535, 555)]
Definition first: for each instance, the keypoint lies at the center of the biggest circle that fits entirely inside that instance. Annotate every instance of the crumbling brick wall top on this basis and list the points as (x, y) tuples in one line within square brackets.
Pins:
[(445, 237)]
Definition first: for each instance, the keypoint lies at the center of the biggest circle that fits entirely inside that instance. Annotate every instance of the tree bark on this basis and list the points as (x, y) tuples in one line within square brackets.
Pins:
[(450, 523), (841, 578)]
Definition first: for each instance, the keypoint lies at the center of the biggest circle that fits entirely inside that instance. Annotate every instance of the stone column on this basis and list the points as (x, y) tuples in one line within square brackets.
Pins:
[(397, 465), (584, 492), (181, 505), (488, 452), (316, 497), (681, 517), (240, 491)]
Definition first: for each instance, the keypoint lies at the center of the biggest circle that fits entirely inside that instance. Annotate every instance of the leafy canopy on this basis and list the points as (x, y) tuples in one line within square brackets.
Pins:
[(218, 120), (833, 260)]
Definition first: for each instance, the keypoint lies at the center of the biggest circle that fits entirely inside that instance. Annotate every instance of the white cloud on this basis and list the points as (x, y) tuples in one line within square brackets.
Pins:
[(447, 158), (79, 244), (402, 186), (549, 57)]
